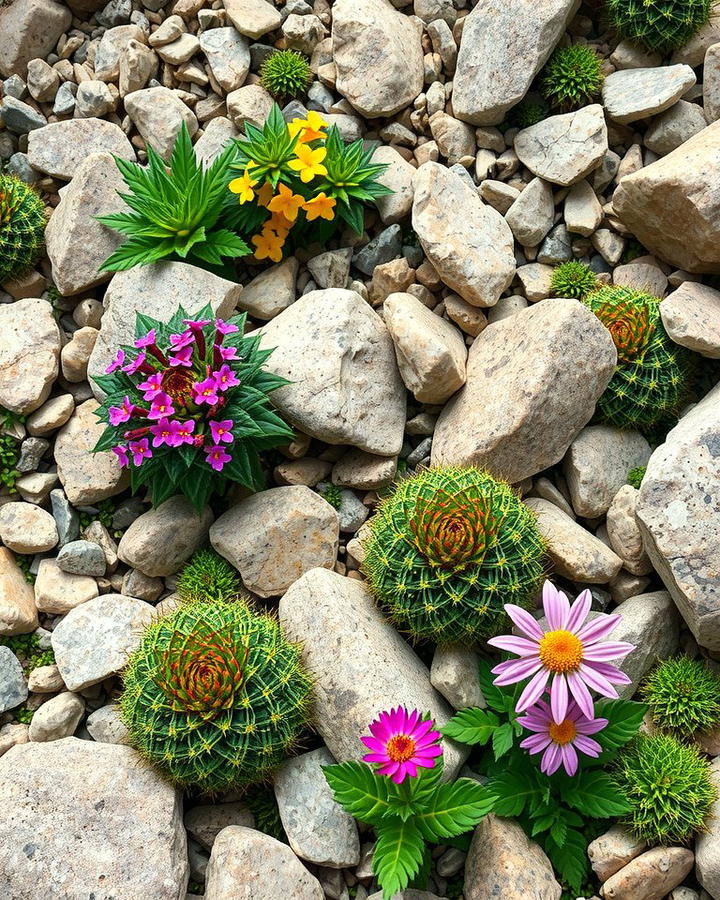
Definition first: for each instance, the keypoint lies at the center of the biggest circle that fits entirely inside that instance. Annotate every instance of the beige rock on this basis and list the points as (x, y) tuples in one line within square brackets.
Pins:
[(58, 592), (468, 242), (455, 139), (707, 843), (632, 94), (576, 553), (75, 355), (675, 126), (650, 876), (691, 316), (158, 114), (11, 735), (253, 18), (18, 613), (613, 850), (454, 673), (624, 531), (51, 415), (180, 50), (536, 281), (272, 291), (399, 178), (217, 135), (651, 623), (307, 471), (250, 103), (25, 528), (29, 354), (136, 66), (711, 82), (583, 211), (42, 80), (531, 215), (205, 822), (58, 149), (642, 276), (522, 405), (364, 471), (378, 56), (58, 718), (28, 30), (275, 536), (470, 318), (431, 353), (112, 44), (228, 55), (45, 680)]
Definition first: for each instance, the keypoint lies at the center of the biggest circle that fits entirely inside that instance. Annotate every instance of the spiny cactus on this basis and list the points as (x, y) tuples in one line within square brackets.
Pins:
[(683, 695), (285, 74), (22, 227), (653, 374), (572, 279), (658, 25), (447, 550), (209, 577), (215, 696), (572, 77)]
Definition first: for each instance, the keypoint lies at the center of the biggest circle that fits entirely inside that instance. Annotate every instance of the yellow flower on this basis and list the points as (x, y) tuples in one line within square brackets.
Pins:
[(268, 245), (286, 202), (321, 206), (308, 162), (243, 187), (279, 224), (309, 129), (265, 194)]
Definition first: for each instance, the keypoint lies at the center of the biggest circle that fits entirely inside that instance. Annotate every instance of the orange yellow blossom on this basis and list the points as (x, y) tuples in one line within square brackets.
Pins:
[(243, 187), (268, 245), (309, 162), (321, 206), (286, 202), (309, 129)]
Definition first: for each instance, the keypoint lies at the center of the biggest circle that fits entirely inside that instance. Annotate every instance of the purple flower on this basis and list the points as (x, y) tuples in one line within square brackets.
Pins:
[(140, 451), (185, 431), (196, 323), (402, 742), (119, 414), (225, 378), (222, 431), (217, 457), (225, 327), (166, 432), (122, 455), (572, 651), (182, 340), (152, 386), (206, 391), (162, 406), (181, 356), (116, 363), (132, 367), (227, 353), (562, 740), (148, 340)]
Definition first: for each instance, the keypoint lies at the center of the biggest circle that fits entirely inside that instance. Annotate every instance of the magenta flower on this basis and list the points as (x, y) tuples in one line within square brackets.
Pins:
[(217, 457), (166, 432), (222, 431), (227, 353), (225, 327), (148, 340), (181, 356), (162, 406), (196, 324), (116, 363), (573, 652), (562, 740), (402, 742), (119, 414), (225, 378), (152, 386), (135, 364), (182, 340), (185, 431), (122, 455), (206, 391), (140, 450)]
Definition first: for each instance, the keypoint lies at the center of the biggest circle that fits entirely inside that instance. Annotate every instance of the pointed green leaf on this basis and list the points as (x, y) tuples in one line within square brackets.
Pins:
[(398, 855), (359, 791), (453, 809), (471, 726)]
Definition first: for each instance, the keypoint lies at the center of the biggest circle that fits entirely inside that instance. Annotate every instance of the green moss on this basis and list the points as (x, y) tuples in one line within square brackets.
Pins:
[(572, 279), (527, 112), (285, 75), (22, 227), (669, 787), (23, 715), (684, 696), (28, 650), (636, 475), (332, 494), (105, 510), (572, 77), (210, 578), (658, 25), (9, 456)]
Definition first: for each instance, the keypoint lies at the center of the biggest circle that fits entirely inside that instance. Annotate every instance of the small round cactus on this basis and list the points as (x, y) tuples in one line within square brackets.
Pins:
[(683, 695), (572, 77), (285, 74), (215, 696), (447, 549), (210, 578), (22, 227), (658, 25), (572, 279), (653, 374)]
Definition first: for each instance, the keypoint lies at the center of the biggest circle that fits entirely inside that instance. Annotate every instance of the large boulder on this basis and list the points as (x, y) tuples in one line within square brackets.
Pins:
[(691, 316), (651, 623), (532, 383), (29, 354), (58, 149), (672, 206), (29, 29), (677, 512), (707, 843)]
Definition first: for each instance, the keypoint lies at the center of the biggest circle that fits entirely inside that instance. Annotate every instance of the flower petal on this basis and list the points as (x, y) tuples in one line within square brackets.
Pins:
[(596, 681), (607, 651), (556, 606), (569, 758), (599, 628), (519, 645), (551, 760), (522, 619), (536, 742), (587, 745), (559, 698), (590, 726), (533, 690), (521, 668), (579, 611), (579, 690)]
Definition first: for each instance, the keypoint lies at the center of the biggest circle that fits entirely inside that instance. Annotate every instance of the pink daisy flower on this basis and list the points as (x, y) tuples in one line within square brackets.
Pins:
[(562, 740), (217, 457), (572, 652), (402, 742)]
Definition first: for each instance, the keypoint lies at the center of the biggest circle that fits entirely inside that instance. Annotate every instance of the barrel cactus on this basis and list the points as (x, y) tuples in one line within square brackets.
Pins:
[(572, 279), (215, 696), (653, 374), (285, 74), (22, 227), (447, 549), (572, 77), (658, 25)]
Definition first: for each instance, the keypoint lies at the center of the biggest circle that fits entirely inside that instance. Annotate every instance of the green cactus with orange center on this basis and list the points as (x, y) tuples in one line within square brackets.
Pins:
[(22, 227)]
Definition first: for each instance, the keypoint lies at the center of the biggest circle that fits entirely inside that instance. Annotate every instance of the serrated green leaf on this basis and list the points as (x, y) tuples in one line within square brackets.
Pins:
[(624, 720), (502, 739), (453, 809), (494, 696), (558, 831), (570, 859), (398, 855), (594, 794), (471, 726), (513, 791), (359, 791)]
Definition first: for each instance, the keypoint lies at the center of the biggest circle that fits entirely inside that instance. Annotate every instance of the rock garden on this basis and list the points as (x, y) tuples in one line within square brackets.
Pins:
[(359, 449)]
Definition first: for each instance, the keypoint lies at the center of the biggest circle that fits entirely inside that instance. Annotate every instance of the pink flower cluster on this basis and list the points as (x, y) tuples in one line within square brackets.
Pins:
[(402, 742), (184, 391)]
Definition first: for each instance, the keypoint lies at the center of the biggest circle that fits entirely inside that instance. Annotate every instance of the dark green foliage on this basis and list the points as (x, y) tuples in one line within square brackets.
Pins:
[(572, 77), (653, 374), (668, 786), (285, 74), (683, 695), (102, 513), (494, 554), (658, 25), (572, 279), (28, 650), (260, 800), (635, 476), (175, 214), (209, 577), (528, 111), (22, 227), (215, 696), (23, 714), (332, 494), (9, 456)]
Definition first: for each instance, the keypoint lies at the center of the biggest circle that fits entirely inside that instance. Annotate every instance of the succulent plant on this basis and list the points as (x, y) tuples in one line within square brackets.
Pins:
[(572, 279), (285, 74), (572, 77), (210, 578), (22, 227), (658, 25), (635, 476), (653, 374), (332, 494), (529, 111), (447, 549), (683, 695), (668, 786), (215, 696)]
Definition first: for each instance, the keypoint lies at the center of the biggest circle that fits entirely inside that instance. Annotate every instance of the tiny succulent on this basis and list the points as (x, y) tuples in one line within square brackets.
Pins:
[(285, 74), (572, 77), (22, 227), (209, 577), (215, 696), (653, 374), (635, 476), (572, 279), (683, 695), (658, 25), (669, 788), (27, 648), (447, 549)]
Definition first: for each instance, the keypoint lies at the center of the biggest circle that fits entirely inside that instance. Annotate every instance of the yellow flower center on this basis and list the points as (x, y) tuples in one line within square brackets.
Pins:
[(561, 651), (400, 748), (563, 733)]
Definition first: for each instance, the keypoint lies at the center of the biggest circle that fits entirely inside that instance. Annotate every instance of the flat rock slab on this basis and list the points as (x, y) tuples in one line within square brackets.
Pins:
[(651, 875), (110, 827), (29, 354), (677, 510), (691, 316), (522, 404), (58, 149), (504, 45), (632, 94)]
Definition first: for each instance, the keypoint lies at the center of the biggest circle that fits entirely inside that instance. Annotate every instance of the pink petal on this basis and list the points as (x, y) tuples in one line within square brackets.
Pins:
[(579, 611), (596, 681), (612, 673), (579, 690), (422, 729), (556, 606), (599, 628), (559, 698), (522, 619), (587, 745), (607, 651), (570, 759), (428, 752), (521, 646), (388, 768), (520, 669), (374, 744), (376, 758), (590, 726), (551, 760), (533, 690), (411, 768), (535, 743), (424, 763)]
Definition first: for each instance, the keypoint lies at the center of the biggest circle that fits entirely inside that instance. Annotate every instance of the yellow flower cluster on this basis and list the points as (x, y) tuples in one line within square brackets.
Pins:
[(285, 205)]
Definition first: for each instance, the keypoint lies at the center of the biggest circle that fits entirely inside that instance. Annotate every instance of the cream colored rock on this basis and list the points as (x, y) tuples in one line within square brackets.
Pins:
[(651, 624), (57, 718), (28, 30), (158, 113), (399, 178), (25, 528), (624, 531), (253, 18), (707, 843), (75, 355), (58, 592), (29, 354), (51, 415), (650, 876), (531, 215), (583, 211), (250, 103), (228, 55), (632, 94), (113, 43), (613, 850), (272, 291), (18, 613), (45, 680), (60, 148), (364, 471), (691, 316)]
